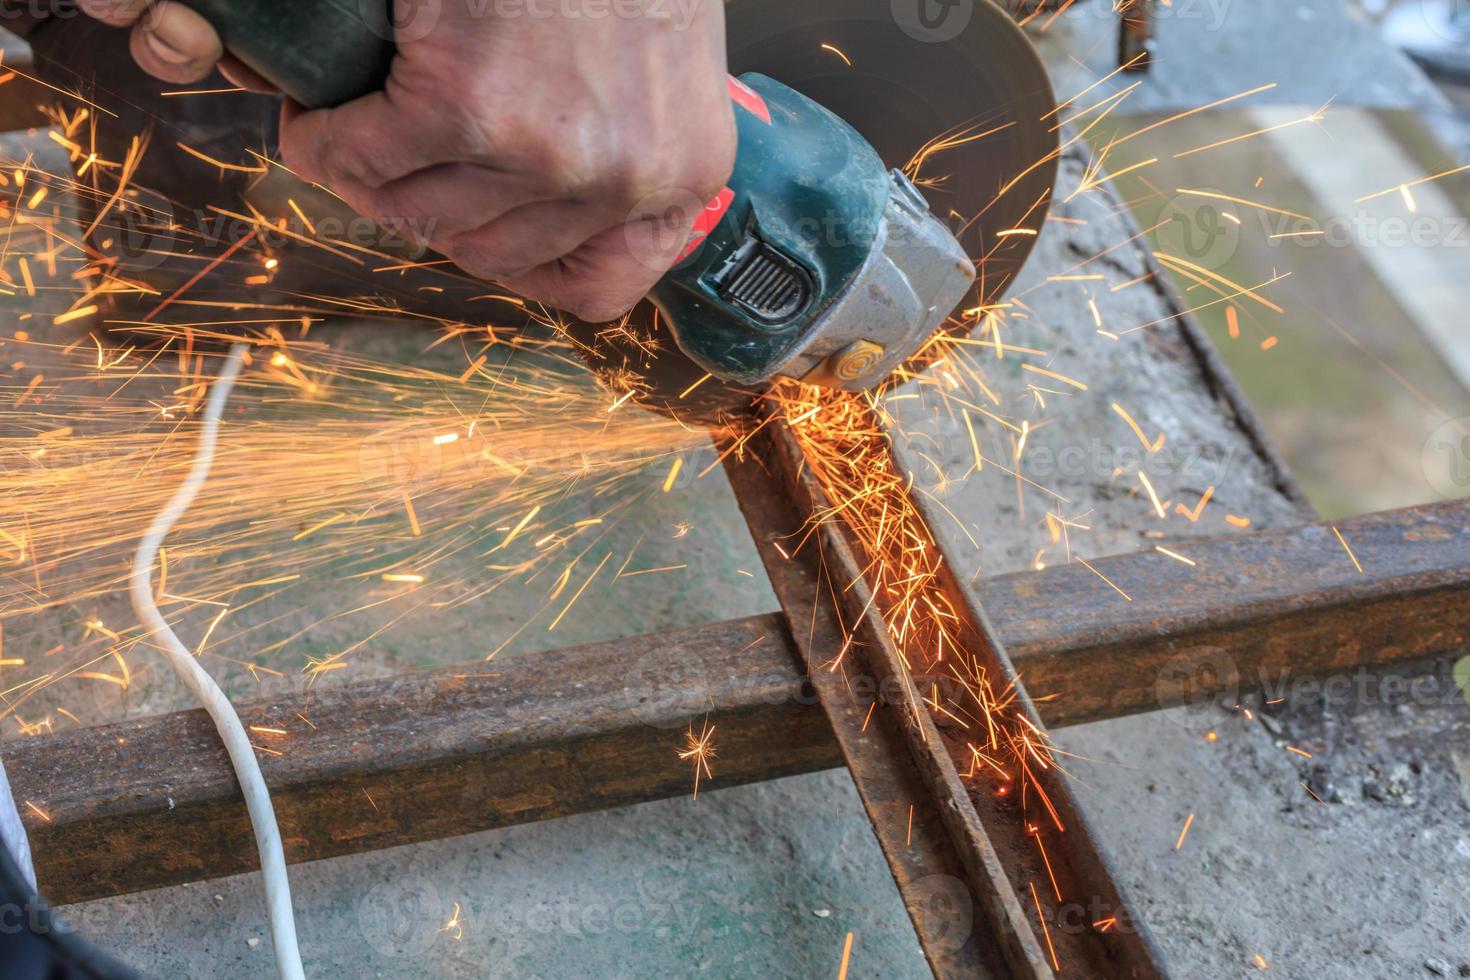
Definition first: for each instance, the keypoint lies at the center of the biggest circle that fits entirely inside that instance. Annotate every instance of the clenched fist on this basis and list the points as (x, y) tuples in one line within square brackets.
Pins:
[(536, 142)]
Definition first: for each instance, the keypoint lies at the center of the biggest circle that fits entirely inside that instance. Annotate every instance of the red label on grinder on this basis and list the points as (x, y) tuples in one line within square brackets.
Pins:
[(748, 99)]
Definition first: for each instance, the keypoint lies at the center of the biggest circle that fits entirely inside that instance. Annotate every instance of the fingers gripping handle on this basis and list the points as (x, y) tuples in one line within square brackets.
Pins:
[(323, 53), (319, 52)]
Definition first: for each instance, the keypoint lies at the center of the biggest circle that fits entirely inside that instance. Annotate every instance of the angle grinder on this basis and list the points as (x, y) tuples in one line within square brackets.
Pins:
[(820, 259)]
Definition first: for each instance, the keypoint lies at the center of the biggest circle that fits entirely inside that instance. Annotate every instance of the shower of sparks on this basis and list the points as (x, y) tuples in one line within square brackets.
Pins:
[(700, 748), (488, 457)]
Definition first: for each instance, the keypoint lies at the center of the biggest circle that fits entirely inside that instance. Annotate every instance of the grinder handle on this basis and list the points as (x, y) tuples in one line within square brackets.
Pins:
[(319, 52)]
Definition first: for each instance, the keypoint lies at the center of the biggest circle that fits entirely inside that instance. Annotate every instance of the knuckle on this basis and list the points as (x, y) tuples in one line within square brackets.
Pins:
[(347, 167), (712, 168), (632, 176), (300, 155), (485, 259), (572, 167), (591, 299), (598, 309)]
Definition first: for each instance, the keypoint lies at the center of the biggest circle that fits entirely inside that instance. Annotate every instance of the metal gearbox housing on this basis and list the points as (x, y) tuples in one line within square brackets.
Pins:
[(816, 262)]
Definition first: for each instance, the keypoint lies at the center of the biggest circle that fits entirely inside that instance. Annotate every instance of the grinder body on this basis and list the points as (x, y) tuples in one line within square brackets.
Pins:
[(814, 262)]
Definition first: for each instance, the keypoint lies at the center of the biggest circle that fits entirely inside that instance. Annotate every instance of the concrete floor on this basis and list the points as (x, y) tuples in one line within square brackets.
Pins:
[(765, 880)]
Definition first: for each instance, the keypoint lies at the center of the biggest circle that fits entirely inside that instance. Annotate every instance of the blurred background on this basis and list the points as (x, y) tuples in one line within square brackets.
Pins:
[(1363, 382)]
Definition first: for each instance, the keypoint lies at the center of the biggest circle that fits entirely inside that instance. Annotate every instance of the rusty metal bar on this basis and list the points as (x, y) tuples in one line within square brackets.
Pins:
[(945, 874), (1255, 611), (152, 802), (1136, 35), (461, 749), (988, 834)]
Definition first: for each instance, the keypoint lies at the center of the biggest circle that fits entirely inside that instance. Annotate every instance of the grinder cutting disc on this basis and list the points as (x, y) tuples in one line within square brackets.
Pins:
[(964, 71)]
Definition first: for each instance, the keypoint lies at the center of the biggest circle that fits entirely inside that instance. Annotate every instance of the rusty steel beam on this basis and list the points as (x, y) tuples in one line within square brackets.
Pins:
[(152, 802), (931, 824), (1255, 611), (1136, 35), (464, 748), (945, 878)]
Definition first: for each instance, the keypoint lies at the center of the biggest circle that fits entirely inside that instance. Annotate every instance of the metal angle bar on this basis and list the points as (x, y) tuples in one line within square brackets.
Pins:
[(573, 730), (153, 802), (1270, 610), (945, 878), (991, 838)]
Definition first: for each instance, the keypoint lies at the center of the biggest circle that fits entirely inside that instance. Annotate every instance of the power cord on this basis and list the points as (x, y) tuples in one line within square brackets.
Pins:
[(231, 731), (13, 832)]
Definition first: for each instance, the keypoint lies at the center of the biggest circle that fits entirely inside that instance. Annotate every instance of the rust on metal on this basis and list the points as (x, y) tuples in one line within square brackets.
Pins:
[(472, 747), (992, 837), (152, 802), (1253, 611), (945, 879)]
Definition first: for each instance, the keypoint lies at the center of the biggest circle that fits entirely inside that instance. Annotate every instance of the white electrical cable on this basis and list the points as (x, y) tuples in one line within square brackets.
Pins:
[(13, 832), (231, 731)]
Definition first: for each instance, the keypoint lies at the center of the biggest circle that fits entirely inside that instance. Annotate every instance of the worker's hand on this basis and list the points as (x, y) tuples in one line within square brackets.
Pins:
[(560, 150), (169, 40)]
